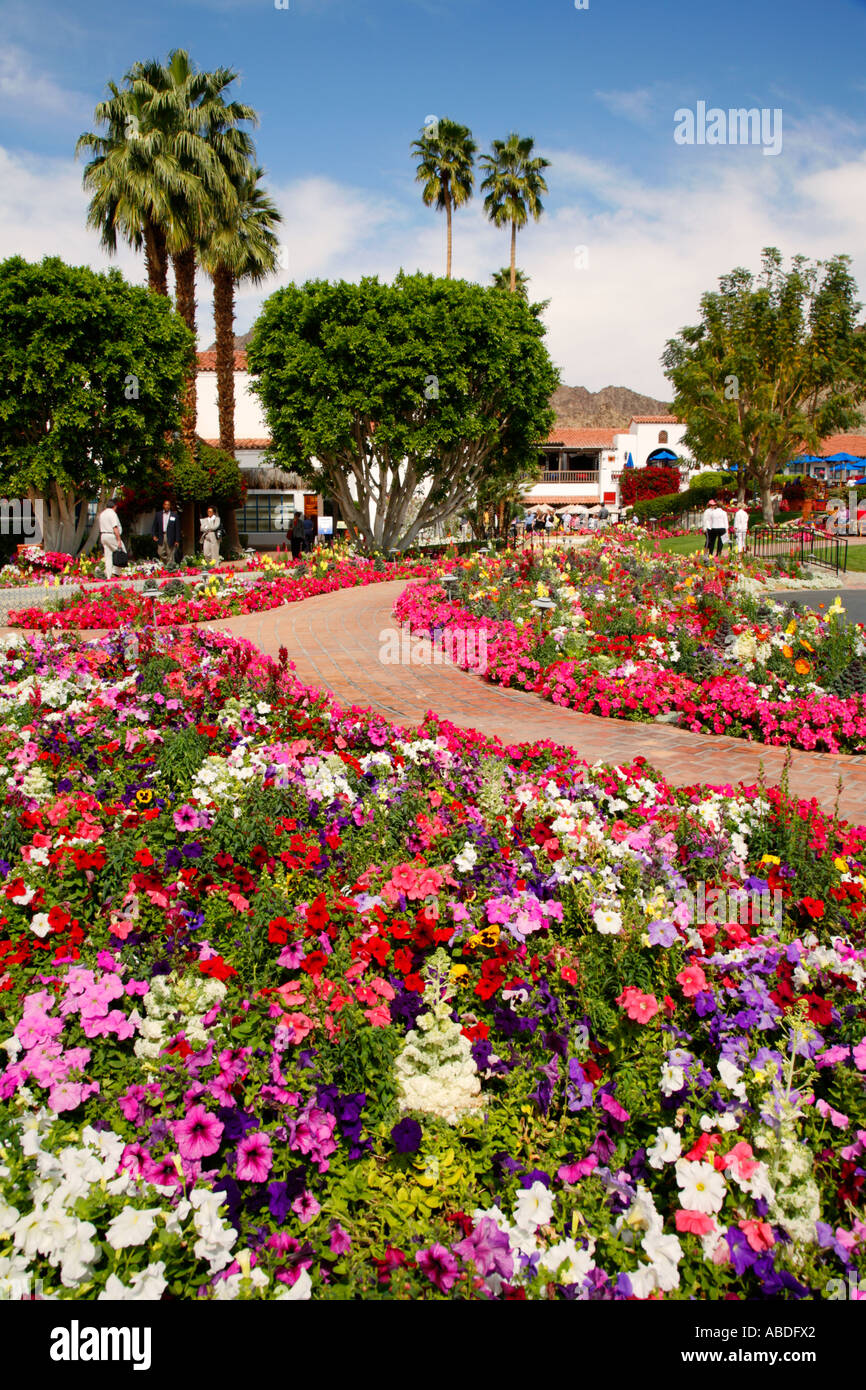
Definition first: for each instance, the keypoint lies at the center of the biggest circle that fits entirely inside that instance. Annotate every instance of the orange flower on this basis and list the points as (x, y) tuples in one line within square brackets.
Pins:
[(802, 666), (786, 651), (804, 643)]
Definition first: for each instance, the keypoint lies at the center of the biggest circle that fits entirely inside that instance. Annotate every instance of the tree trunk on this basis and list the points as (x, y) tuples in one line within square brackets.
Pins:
[(448, 254), (513, 257), (224, 324), (156, 260), (184, 276), (766, 503)]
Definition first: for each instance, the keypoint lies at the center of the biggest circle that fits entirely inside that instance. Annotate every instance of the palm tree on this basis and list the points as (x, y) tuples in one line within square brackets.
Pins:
[(502, 281), (130, 182), (445, 168), (241, 247), (513, 185), (191, 126)]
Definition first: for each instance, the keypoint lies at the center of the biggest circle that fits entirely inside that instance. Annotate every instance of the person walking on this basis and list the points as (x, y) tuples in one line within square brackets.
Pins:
[(110, 535), (720, 527), (210, 526), (309, 532), (707, 526), (741, 526), (166, 533), (296, 536)]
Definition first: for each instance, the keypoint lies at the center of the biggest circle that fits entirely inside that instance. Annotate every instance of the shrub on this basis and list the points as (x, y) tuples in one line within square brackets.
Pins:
[(656, 480)]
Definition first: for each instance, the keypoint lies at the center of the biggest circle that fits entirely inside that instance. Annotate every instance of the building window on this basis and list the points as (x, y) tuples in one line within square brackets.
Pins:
[(267, 511), (663, 436)]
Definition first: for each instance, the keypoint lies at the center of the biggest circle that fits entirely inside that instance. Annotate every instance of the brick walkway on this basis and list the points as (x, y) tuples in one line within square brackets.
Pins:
[(334, 642)]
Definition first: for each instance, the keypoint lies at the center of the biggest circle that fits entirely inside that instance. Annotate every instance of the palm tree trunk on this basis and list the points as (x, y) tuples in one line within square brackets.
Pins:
[(513, 257), (224, 323), (184, 276), (448, 255), (155, 260)]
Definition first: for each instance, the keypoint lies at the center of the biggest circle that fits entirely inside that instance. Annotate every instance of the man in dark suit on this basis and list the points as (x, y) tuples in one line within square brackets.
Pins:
[(165, 532)]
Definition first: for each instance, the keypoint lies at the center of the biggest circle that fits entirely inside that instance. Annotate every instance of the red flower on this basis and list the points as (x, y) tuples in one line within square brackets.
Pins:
[(415, 983), (314, 963), (216, 968), (813, 906), (142, 856), (317, 914)]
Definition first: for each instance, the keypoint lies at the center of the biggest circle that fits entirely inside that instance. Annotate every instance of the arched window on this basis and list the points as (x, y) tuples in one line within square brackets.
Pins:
[(663, 436)]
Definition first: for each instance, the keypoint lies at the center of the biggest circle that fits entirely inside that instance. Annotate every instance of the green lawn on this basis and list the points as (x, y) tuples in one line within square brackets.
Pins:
[(688, 545)]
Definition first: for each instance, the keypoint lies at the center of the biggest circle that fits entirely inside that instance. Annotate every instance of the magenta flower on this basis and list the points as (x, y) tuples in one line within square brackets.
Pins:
[(439, 1265), (306, 1207), (199, 1134), (340, 1241), (488, 1248), (254, 1158)]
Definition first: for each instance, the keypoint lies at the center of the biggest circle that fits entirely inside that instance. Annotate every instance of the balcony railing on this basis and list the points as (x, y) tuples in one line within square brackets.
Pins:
[(556, 475)]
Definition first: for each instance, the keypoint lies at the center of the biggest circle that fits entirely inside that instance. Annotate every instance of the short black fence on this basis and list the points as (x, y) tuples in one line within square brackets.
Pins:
[(803, 543)]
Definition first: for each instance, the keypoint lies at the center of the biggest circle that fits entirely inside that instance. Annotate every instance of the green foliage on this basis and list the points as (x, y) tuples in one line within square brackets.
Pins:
[(774, 366), (435, 381), (91, 373)]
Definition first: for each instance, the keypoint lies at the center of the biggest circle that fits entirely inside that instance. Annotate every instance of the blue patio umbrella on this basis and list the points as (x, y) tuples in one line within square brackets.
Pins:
[(841, 459), (662, 454), (629, 462)]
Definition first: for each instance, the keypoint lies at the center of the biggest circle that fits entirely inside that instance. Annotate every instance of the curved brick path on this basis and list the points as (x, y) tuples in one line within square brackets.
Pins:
[(333, 641)]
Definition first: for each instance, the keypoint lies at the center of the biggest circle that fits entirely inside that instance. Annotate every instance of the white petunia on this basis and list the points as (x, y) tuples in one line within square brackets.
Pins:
[(702, 1187), (607, 922), (533, 1207), (133, 1226), (301, 1289), (667, 1148)]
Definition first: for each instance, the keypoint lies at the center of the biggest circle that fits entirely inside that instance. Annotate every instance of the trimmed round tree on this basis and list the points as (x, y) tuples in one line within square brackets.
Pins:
[(92, 371), (398, 400)]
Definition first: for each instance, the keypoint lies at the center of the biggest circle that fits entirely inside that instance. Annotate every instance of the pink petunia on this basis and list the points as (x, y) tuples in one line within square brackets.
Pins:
[(254, 1158), (696, 1223), (198, 1135), (759, 1234), (692, 979)]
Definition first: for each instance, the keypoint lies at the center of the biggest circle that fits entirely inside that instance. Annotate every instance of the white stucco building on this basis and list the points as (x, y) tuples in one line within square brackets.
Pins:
[(585, 465)]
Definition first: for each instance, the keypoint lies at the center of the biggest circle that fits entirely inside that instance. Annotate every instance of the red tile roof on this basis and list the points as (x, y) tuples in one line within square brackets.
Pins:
[(582, 439), (207, 361), (243, 443), (843, 444), (655, 420)]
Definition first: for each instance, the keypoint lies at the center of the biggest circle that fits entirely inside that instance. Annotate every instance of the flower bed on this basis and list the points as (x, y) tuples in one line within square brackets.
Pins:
[(669, 637), (113, 606), (296, 1004)]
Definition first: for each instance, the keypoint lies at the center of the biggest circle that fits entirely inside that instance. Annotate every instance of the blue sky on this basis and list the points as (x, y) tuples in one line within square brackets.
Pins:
[(343, 87)]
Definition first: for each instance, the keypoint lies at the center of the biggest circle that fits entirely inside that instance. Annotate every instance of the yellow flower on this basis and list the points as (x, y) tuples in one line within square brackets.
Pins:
[(792, 626), (840, 864), (770, 859), (144, 795), (459, 970)]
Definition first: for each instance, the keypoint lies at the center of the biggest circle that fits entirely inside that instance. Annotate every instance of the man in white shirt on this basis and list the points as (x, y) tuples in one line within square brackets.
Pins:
[(110, 536), (741, 526), (720, 526), (708, 526)]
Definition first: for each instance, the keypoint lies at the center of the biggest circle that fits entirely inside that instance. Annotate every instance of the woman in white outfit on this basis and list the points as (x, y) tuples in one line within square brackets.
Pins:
[(210, 525), (110, 535)]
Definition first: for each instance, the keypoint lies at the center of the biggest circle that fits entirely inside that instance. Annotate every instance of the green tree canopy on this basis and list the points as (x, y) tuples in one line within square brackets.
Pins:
[(91, 379), (774, 366), (377, 394)]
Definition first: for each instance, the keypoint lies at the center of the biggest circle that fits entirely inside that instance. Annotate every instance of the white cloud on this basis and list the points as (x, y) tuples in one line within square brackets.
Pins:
[(636, 104), (26, 92)]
